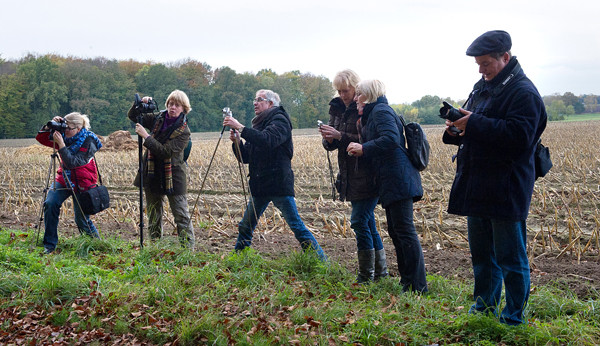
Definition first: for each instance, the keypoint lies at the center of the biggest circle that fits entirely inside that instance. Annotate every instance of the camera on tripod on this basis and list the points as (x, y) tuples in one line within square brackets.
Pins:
[(142, 107), (59, 126)]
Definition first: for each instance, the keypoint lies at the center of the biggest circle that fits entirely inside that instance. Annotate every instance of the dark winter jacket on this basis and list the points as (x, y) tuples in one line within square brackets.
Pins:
[(268, 149), (81, 164), (495, 169), (355, 180), (173, 148), (383, 143)]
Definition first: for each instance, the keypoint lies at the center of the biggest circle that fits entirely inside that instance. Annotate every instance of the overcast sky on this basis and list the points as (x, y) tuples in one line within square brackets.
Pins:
[(416, 48)]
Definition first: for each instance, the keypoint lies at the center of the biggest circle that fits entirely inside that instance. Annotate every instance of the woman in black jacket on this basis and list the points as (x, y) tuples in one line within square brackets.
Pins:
[(355, 181), (399, 181)]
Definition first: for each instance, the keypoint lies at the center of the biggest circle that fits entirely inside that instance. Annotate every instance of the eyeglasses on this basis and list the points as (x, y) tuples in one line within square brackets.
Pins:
[(260, 99), (71, 128)]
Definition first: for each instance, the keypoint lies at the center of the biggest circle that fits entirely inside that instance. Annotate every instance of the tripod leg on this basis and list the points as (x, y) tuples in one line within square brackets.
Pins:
[(51, 173)]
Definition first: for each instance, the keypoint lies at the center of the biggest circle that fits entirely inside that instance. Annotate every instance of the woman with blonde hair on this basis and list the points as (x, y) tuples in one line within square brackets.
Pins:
[(355, 181), (165, 171), (382, 140), (76, 147)]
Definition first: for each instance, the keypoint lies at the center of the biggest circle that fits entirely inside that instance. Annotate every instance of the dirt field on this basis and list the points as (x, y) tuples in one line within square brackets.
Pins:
[(563, 222)]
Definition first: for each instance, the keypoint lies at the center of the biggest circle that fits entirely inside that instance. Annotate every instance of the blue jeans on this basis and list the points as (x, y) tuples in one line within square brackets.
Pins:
[(499, 253), (409, 254), (287, 206), (362, 222), (54, 200)]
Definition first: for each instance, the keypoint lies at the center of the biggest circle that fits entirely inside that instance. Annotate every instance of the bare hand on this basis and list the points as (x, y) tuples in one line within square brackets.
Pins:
[(355, 149), (232, 123), (234, 135), (58, 139), (141, 131), (461, 123), (329, 133), (146, 99)]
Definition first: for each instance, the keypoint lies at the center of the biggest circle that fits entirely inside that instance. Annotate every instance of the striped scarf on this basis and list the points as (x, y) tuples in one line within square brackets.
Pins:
[(163, 137)]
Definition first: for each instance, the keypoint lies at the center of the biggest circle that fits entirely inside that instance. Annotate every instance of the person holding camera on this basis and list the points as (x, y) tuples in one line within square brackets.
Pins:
[(399, 182), (496, 137), (268, 150), (355, 181), (165, 172), (76, 147)]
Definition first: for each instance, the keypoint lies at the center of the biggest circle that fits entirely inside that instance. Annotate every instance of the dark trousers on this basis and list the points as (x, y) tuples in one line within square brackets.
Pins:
[(401, 228)]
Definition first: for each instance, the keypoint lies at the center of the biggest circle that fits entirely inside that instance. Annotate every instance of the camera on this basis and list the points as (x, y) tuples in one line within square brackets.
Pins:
[(449, 112), (319, 123), (142, 107), (59, 126)]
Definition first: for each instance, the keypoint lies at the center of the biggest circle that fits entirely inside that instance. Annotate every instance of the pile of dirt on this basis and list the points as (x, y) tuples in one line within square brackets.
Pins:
[(119, 141), (34, 149)]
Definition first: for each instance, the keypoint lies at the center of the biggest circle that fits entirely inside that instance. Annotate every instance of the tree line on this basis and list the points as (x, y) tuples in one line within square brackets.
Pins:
[(35, 88)]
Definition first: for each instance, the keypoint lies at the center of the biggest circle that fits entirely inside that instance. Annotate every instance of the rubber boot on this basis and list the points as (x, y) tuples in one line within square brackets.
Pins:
[(381, 269), (366, 266)]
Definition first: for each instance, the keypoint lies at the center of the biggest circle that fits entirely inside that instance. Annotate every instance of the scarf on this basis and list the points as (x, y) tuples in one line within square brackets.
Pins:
[(163, 136), (74, 143)]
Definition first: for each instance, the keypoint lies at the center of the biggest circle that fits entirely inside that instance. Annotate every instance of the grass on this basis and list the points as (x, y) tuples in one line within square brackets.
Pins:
[(164, 294), (583, 117)]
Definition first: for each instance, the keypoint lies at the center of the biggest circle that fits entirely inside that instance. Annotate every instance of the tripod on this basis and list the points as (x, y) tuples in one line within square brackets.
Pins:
[(71, 192)]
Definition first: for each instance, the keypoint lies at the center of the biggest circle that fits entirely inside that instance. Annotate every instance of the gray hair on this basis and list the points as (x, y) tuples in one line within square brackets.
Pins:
[(270, 95), (371, 88)]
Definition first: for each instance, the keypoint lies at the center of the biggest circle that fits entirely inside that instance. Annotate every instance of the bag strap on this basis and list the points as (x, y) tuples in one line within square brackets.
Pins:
[(98, 170)]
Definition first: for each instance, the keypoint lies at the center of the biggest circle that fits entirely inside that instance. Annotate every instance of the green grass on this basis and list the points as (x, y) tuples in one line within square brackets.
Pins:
[(583, 117), (165, 294)]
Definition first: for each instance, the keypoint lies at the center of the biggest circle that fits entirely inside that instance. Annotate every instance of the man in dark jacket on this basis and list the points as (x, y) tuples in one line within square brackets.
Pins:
[(503, 120), (268, 150)]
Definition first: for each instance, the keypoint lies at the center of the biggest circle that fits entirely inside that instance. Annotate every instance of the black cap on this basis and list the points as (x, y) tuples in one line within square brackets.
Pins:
[(496, 41)]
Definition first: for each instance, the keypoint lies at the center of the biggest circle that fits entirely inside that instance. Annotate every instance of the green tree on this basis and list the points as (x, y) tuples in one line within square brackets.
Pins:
[(558, 110), (46, 94), (429, 109), (13, 107), (571, 100), (409, 112), (157, 81)]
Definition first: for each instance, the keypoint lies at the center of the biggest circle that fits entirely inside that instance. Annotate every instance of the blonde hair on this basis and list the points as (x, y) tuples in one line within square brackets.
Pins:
[(344, 79), (371, 88), (78, 119), (179, 97), (270, 95)]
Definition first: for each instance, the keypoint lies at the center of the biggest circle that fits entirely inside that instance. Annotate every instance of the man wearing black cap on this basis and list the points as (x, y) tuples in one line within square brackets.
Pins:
[(503, 119)]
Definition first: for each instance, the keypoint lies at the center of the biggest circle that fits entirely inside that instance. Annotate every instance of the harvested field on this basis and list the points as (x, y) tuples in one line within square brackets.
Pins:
[(563, 224)]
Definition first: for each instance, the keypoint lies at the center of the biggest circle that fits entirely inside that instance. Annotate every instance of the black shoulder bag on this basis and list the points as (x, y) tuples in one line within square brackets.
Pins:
[(543, 163), (96, 198)]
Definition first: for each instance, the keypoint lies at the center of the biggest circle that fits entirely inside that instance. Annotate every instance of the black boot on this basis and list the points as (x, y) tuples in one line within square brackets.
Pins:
[(366, 266), (381, 269)]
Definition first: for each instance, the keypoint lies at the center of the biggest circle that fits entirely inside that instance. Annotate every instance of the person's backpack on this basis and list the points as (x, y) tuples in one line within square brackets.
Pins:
[(417, 145)]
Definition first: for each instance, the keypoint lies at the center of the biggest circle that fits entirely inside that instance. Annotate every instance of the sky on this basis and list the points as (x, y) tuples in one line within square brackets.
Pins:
[(415, 48)]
